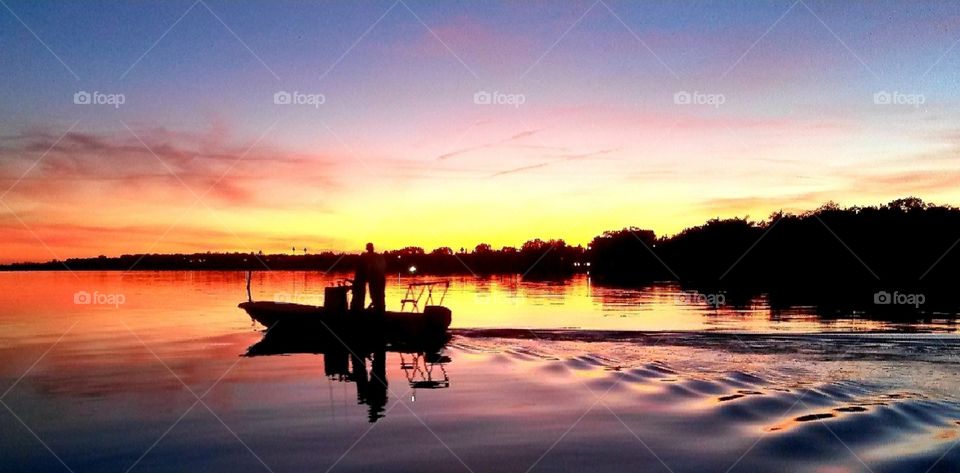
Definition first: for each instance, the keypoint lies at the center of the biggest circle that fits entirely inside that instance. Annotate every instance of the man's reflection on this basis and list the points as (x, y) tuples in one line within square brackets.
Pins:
[(371, 390), (348, 363)]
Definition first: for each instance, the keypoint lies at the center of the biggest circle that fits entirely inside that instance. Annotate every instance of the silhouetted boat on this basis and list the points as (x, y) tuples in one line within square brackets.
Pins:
[(269, 314), (336, 320), (359, 339)]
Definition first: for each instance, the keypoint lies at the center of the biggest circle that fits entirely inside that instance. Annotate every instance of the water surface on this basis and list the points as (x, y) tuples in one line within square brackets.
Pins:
[(586, 378)]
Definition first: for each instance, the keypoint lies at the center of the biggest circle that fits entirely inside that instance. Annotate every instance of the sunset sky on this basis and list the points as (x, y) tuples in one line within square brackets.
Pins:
[(810, 101)]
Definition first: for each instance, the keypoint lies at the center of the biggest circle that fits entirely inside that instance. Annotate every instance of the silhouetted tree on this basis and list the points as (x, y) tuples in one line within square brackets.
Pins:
[(626, 256), (831, 257)]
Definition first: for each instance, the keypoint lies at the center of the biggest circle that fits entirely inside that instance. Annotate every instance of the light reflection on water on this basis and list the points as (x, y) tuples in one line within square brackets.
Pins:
[(101, 382), (205, 302)]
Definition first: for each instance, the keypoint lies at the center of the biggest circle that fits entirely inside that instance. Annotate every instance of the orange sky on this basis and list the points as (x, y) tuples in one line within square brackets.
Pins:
[(459, 125), (100, 193)]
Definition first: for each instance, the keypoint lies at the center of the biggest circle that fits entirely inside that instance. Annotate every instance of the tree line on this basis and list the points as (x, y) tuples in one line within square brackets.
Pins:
[(824, 256), (884, 257)]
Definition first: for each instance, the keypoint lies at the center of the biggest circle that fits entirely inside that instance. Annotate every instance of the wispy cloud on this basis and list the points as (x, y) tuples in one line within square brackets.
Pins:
[(511, 141), (165, 162), (555, 160)]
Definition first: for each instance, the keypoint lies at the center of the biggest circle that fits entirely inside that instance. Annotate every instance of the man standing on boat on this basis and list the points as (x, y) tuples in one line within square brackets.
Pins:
[(376, 272)]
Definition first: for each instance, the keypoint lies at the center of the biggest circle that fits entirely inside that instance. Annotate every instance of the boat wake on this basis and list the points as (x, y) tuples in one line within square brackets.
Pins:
[(718, 396)]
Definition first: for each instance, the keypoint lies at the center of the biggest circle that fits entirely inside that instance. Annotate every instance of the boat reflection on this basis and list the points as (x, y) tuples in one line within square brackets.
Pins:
[(363, 361), (420, 371)]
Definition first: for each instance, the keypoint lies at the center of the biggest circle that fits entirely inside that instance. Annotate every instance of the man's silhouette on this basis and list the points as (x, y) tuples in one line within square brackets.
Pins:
[(376, 273), (371, 269)]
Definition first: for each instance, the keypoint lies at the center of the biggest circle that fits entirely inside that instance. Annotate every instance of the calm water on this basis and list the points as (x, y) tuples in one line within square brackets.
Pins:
[(149, 375)]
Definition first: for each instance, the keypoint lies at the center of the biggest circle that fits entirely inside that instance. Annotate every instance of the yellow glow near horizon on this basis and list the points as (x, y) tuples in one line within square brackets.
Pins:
[(541, 183)]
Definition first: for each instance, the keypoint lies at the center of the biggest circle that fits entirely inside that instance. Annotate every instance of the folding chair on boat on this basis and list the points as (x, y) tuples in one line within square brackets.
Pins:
[(416, 291)]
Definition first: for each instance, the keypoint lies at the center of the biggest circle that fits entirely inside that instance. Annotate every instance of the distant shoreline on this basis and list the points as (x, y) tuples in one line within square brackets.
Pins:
[(406, 261), (899, 257), (61, 269)]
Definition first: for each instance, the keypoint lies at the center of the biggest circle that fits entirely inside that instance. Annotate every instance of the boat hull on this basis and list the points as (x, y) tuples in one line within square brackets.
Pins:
[(390, 327)]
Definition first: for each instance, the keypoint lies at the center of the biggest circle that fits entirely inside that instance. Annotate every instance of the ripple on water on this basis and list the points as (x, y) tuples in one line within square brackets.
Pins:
[(803, 420), (739, 379), (810, 417), (659, 367), (754, 406), (851, 409), (921, 411), (680, 390), (704, 387), (643, 374)]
